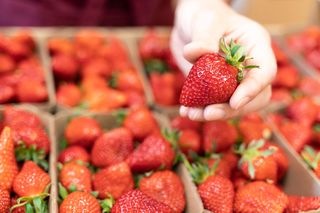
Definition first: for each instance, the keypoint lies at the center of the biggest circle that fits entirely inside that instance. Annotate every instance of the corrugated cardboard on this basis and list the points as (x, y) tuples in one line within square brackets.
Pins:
[(47, 121)]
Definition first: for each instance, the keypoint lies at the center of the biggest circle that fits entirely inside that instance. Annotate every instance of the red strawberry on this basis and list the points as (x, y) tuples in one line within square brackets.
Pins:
[(127, 80), (276, 118), (165, 187), (257, 162), (153, 45), (76, 153), (89, 39), (253, 130), (82, 131), (112, 147), (141, 123), (281, 57), (287, 77), (296, 134), (7, 93), (114, 180), (17, 50), (218, 136), (80, 202), (312, 158), (163, 88), (281, 95), (68, 95), (135, 99), (214, 78), (31, 180), (15, 117), (217, 194), (24, 37), (137, 201), (152, 153), (231, 158), (280, 157), (65, 67), (239, 180), (181, 123), (8, 164), (303, 110), (73, 174), (312, 58), (32, 91), (7, 65), (223, 169), (96, 66), (301, 204), (310, 86), (90, 83), (4, 200), (60, 46), (259, 196), (31, 136), (189, 140)]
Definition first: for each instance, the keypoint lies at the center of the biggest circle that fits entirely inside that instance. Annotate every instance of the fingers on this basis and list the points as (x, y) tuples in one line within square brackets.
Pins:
[(256, 80), (224, 111)]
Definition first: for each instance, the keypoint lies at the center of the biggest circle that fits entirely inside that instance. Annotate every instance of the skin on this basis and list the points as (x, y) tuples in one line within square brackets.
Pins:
[(198, 27)]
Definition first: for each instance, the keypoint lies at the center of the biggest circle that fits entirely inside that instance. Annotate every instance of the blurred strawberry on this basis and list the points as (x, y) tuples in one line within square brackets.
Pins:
[(126, 80), (153, 45), (253, 130), (141, 123), (31, 91), (312, 58), (281, 95), (60, 46), (276, 118), (303, 110), (223, 168), (94, 83), (7, 65), (163, 88), (281, 57), (303, 204), (88, 39), (312, 158), (181, 123), (105, 99), (96, 66), (17, 50), (287, 76), (7, 94), (310, 86), (16, 117), (114, 180), (24, 37), (65, 67), (112, 147), (218, 136), (31, 69), (82, 131), (135, 99), (68, 94), (74, 153), (189, 140), (296, 134)]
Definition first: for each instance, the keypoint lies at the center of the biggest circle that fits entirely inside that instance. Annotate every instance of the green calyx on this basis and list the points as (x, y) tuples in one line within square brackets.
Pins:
[(235, 56), (34, 204), (120, 116), (156, 65), (316, 128), (113, 82), (311, 157), (252, 151), (199, 171), (107, 204), (38, 156)]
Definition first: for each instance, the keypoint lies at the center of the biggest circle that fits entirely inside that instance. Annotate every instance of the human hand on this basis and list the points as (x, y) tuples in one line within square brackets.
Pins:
[(199, 25)]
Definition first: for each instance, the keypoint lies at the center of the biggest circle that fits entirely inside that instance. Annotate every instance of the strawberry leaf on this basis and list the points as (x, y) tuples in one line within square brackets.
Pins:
[(251, 169), (29, 208), (63, 193)]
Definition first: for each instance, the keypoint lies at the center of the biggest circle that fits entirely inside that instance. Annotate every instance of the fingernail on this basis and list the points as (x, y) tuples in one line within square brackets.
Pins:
[(214, 114), (242, 102)]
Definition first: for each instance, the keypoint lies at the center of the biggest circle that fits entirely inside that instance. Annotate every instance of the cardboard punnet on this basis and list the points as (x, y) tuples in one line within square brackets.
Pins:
[(299, 180), (37, 36), (47, 121)]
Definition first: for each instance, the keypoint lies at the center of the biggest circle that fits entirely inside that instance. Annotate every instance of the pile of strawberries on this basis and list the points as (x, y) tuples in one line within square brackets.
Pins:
[(289, 84), (307, 43), (22, 76), (94, 73), (165, 77), (299, 123), (125, 169), (24, 149), (236, 167)]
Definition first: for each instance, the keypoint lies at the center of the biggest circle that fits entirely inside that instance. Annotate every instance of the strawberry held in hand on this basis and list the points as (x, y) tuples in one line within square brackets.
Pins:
[(214, 78)]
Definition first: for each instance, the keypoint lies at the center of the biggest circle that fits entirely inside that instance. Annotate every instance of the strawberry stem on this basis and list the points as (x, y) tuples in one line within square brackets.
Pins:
[(235, 56)]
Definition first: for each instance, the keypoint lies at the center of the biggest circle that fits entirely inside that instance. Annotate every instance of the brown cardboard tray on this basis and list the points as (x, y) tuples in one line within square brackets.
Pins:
[(47, 120), (37, 36)]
